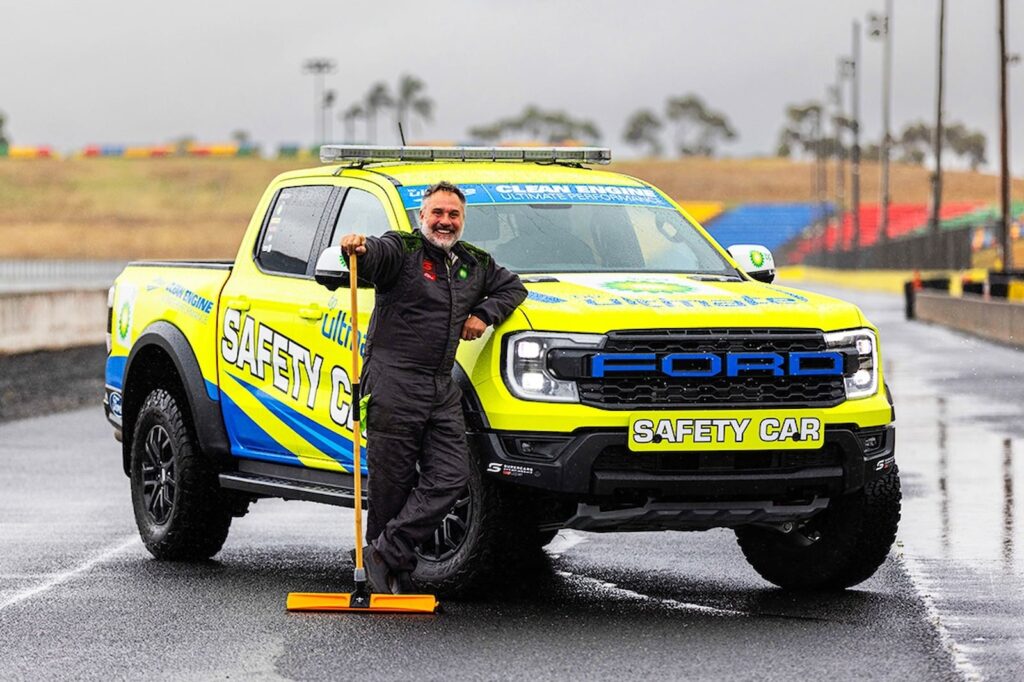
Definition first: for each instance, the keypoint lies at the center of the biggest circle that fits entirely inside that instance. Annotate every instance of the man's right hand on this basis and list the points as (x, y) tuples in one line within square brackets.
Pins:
[(353, 243)]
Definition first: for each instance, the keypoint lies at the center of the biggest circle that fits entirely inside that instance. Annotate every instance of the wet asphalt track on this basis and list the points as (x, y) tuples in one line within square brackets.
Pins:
[(80, 597)]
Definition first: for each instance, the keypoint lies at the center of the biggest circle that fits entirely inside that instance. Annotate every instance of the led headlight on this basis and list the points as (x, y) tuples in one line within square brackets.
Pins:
[(526, 370), (863, 382)]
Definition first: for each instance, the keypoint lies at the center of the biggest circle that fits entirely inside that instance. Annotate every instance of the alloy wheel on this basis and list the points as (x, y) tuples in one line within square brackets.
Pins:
[(158, 475)]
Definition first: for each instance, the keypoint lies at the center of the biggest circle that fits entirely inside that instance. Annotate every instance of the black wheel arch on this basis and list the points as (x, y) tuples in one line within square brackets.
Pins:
[(162, 356), (472, 408)]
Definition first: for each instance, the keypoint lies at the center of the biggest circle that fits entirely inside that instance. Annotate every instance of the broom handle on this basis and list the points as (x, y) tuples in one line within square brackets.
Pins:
[(357, 418)]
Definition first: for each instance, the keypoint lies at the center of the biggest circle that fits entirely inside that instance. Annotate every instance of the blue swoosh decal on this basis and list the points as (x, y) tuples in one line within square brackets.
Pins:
[(335, 446)]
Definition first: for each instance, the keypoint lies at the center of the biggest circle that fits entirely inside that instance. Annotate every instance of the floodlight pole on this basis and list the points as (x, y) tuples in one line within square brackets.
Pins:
[(935, 220), (1004, 143), (882, 28), (855, 151)]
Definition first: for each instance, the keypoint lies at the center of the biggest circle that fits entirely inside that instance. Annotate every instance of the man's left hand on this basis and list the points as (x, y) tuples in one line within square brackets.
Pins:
[(473, 329)]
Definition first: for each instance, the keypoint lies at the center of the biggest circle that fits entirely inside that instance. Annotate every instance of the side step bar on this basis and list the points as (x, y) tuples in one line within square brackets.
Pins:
[(288, 488)]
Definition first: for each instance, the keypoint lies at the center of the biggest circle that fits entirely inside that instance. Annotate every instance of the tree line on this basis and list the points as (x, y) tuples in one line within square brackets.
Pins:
[(802, 136), (685, 125)]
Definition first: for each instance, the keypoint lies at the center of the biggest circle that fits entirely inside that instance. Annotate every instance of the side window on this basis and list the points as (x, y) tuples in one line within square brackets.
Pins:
[(361, 213), (291, 229)]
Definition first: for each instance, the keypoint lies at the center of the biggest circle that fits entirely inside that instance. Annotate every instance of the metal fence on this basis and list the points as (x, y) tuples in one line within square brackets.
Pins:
[(47, 275)]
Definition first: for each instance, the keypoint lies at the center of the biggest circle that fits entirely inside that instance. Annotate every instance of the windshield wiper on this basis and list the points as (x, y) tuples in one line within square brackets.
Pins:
[(715, 278)]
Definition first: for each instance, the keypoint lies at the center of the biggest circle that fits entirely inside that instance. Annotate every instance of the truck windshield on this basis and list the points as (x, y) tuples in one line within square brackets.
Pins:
[(571, 237)]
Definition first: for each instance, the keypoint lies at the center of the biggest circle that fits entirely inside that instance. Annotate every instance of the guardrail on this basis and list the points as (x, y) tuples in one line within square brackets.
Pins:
[(50, 275)]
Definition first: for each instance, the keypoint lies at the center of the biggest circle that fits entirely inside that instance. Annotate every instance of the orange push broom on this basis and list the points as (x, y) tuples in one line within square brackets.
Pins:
[(361, 600)]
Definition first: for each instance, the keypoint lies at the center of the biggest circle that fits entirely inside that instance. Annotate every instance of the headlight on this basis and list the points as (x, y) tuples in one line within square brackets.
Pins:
[(864, 380), (526, 365)]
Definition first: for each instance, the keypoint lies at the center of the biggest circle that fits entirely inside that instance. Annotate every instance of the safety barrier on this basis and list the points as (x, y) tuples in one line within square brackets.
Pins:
[(52, 320), (1000, 321)]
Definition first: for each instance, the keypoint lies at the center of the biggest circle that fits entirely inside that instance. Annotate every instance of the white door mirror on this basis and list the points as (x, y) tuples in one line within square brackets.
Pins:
[(756, 261), (329, 269)]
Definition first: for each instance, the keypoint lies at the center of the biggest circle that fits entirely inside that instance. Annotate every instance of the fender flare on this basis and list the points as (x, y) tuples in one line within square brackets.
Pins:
[(205, 411), (472, 408)]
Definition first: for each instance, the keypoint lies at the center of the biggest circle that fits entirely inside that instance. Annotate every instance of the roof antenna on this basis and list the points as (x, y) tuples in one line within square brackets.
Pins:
[(401, 134)]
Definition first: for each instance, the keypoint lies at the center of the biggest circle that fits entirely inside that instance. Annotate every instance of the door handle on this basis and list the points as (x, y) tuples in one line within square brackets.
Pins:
[(313, 312), (241, 303)]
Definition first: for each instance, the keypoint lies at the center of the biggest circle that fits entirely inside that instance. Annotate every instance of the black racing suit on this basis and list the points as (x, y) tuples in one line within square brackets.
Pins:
[(415, 413)]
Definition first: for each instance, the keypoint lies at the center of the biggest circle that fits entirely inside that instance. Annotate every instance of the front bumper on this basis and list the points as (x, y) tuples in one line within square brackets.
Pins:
[(597, 466)]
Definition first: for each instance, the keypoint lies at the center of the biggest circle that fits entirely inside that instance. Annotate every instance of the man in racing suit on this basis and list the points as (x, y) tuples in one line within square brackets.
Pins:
[(431, 291)]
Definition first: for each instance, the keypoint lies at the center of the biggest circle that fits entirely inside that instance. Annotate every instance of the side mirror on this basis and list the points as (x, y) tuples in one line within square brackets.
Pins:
[(329, 269), (756, 261)]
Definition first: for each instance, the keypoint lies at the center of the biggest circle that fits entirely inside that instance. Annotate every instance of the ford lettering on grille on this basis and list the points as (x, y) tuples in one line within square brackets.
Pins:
[(701, 365)]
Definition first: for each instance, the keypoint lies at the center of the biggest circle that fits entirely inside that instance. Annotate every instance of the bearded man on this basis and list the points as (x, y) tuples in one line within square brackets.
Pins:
[(432, 290)]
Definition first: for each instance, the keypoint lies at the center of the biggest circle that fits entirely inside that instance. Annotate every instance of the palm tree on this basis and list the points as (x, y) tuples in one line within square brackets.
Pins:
[(350, 116), (377, 98), (411, 98)]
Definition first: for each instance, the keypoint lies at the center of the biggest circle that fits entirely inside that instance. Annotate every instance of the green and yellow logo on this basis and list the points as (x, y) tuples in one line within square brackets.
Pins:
[(463, 272), (648, 287), (757, 258), (124, 320)]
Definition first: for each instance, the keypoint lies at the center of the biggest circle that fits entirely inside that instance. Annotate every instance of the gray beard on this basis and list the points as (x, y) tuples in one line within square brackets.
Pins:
[(429, 236)]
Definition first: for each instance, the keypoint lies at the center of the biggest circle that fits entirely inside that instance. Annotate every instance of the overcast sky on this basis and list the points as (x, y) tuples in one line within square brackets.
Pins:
[(145, 72)]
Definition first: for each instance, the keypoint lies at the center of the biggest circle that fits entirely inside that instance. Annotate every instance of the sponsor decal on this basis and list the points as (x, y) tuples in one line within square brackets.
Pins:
[(649, 287), (428, 270), (522, 193), (338, 328), (511, 470), (757, 258), (885, 463), (126, 294), (294, 371), (463, 272)]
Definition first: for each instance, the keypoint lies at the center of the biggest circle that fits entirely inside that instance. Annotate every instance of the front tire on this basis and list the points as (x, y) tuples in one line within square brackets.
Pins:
[(180, 510), (838, 548)]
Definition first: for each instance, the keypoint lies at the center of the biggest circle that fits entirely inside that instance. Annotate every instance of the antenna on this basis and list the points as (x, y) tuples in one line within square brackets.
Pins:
[(401, 133)]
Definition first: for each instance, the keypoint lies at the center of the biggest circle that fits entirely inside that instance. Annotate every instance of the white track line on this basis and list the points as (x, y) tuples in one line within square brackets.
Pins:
[(567, 539), (920, 578), (670, 603), (68, 575)]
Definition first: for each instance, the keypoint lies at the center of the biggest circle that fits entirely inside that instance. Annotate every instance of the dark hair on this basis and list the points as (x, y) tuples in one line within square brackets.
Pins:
[(445, 186)]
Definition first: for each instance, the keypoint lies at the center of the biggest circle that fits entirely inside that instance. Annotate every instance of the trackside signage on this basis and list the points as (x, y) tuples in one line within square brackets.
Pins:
[(525, 193)]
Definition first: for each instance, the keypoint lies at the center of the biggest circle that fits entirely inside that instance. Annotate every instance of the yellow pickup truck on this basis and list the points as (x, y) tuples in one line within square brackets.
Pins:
[(652, 380)]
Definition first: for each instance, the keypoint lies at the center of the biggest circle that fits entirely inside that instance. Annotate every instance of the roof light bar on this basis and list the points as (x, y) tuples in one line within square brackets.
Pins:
[(341, 153)]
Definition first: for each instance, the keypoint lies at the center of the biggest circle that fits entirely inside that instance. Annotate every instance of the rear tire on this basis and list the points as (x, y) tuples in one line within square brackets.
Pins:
[(838, 548), (179, 507)]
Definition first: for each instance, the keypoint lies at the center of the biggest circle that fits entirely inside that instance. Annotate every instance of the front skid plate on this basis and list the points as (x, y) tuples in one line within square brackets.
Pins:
[(691, 515)]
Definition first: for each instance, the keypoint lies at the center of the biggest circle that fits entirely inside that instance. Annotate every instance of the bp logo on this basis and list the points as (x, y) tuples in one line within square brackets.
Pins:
[(757, 258), (649, 287), (124, 321)]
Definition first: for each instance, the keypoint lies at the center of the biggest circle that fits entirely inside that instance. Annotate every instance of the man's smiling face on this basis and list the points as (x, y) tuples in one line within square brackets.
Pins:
[(441, 219)]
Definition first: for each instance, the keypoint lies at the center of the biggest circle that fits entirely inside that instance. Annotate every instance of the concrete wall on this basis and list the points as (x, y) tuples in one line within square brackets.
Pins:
[(52, 320), (997, 320)]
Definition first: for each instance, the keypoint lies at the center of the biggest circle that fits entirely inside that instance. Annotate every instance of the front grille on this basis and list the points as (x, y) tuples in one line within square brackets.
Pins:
[(630, 391), (619, 458)]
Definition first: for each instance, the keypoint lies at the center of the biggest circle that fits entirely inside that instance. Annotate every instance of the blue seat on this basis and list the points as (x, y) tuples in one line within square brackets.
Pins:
[(771, 225)]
